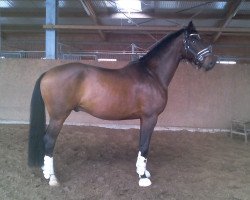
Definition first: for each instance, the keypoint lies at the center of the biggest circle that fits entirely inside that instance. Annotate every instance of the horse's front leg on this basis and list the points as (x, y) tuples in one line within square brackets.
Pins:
[(146, 130)]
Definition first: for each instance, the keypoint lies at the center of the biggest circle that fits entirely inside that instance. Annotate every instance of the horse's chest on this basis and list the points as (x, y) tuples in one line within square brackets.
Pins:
[(153, 100)]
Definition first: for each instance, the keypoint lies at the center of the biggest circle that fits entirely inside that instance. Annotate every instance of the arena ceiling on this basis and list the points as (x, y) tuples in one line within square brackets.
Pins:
[(113, 25)]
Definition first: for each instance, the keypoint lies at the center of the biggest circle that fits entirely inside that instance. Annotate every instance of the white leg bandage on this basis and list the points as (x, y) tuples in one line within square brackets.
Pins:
[(48, 171)]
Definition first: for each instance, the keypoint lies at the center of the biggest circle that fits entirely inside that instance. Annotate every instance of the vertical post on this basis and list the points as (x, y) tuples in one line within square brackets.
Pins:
[(133, 56), (245, 132), (51, 36), (0, 37)]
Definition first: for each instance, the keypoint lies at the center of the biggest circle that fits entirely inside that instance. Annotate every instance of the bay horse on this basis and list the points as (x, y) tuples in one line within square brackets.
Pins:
[(137, 91)]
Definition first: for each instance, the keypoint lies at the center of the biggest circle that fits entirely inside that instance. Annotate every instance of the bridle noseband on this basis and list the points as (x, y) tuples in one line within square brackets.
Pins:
[(198, 55)]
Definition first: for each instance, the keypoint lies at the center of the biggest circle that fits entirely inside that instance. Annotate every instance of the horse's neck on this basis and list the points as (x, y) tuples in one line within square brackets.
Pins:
[(166, 62)]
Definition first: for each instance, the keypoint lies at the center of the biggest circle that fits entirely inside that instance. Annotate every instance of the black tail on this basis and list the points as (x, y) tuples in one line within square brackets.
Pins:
[(37, 127)]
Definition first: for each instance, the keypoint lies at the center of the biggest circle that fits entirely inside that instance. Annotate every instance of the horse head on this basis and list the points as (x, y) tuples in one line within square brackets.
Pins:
[(196, 50)]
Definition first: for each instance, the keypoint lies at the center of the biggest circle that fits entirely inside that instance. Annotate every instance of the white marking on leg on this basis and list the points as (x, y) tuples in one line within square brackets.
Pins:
[(147, 174), (48, 171), (53, 181), (144, 182), (48, 168), (141, 164)]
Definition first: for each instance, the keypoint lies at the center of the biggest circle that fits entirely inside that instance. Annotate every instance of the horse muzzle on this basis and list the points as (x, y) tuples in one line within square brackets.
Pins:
[(209, 62)]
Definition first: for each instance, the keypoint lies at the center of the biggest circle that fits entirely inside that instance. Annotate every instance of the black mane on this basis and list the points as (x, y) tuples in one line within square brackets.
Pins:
[(161, 44)]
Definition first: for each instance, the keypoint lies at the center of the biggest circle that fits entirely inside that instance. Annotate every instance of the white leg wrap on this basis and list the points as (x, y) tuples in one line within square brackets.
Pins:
[(48, 171)]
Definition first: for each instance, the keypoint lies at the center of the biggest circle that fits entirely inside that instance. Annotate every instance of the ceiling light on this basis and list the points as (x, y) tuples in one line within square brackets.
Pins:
[(226, 62), (5, 4), (220, 5), (131, 15), (129, 6), (61, 4), (107, 60)]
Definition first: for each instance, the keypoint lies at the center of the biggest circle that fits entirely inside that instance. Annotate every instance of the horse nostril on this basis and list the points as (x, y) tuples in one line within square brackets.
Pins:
[(211, 64)]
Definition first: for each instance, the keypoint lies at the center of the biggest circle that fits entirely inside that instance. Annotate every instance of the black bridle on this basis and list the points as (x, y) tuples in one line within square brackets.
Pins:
[(189, 45)]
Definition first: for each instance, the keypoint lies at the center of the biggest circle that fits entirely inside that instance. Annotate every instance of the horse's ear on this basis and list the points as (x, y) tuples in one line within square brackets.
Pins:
[(191, 26)]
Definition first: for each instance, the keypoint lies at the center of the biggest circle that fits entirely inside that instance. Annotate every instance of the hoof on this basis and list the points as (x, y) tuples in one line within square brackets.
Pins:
[(144, 182), (53, 181), (147, 174)]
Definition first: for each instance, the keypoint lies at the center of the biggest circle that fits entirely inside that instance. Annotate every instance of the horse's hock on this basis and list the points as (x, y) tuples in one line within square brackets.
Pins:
[(240, 128)]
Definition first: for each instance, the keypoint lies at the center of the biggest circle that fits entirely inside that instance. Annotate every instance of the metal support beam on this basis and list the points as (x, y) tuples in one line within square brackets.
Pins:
[(144, 28), (233, 8), (0, 38), (133, 56), (51, 37), (88, 7)]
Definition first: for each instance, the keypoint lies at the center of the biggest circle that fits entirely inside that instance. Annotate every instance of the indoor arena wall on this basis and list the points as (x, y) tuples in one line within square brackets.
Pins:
[(196, 99)]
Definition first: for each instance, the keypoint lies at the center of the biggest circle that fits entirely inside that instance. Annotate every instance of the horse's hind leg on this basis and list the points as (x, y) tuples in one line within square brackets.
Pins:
[(50, 137)]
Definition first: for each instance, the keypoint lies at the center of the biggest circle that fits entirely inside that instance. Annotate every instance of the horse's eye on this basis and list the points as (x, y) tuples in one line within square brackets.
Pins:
[(193, 41)]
